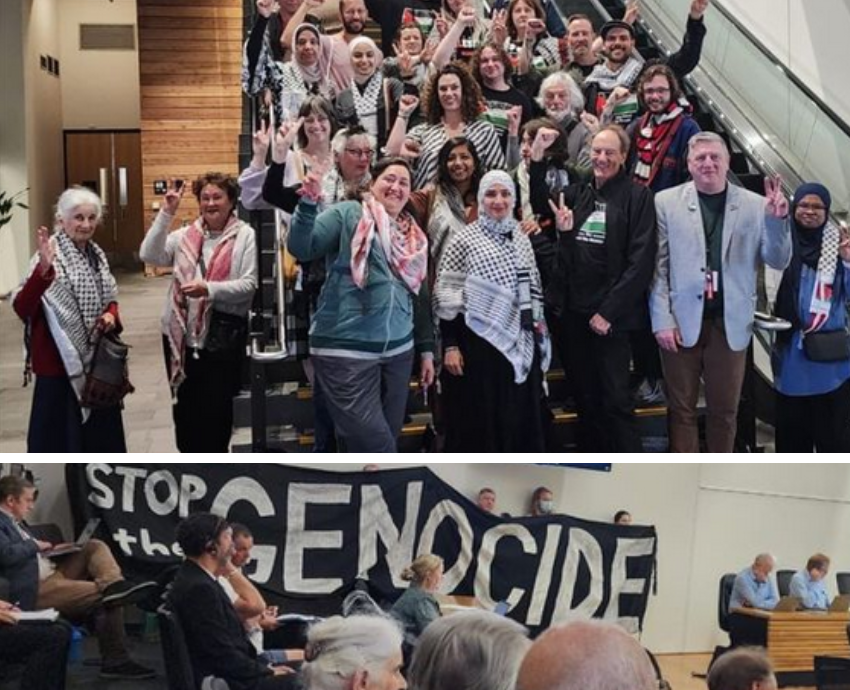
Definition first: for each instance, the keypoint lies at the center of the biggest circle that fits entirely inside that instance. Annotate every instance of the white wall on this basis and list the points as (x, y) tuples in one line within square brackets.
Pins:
[(14, 237), (711, 519), (100, 88), (809, 36)]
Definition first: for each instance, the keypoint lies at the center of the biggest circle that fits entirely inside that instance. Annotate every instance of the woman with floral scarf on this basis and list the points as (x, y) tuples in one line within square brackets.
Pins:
[(489, 301), (811, 361), (68, 295), (373, 311), (214, 262)]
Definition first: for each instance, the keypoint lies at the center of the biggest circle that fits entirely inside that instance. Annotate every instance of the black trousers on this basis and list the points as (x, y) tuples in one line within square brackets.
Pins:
[(598, 366), (42, 650), (203, 412), (809, 423)]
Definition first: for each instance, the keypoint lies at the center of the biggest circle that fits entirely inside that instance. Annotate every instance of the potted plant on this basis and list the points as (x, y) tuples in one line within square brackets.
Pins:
[(8, 204)]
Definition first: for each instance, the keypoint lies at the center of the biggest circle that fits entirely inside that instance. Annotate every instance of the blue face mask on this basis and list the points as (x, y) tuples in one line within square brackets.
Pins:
[(545, 507)]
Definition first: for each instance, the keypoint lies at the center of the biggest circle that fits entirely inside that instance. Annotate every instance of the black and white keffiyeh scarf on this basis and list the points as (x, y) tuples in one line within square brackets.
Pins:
[(81, 291), (609, 79), (488, 274)]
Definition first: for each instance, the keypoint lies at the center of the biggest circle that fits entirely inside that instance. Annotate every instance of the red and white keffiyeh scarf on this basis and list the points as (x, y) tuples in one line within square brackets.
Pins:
[(403, 242), (186, 261)]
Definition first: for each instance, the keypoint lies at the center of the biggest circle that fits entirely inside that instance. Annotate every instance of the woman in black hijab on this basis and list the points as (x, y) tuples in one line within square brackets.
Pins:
[(811, 361)]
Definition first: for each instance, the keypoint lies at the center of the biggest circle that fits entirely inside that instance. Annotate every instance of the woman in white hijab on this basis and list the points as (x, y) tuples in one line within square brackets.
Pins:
[(495, 344)]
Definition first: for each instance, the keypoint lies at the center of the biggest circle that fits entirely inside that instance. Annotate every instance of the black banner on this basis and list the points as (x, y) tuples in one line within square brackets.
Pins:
[(316, 532)]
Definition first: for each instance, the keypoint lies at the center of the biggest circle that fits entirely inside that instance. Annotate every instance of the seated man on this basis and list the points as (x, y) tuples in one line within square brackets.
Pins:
[(215, 636), (249, 603), (82, 585), (42, 648), (809, 585), (753, 586)]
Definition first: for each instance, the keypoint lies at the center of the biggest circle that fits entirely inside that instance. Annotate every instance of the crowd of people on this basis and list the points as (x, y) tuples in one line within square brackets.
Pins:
[(224, 619), (482, 191)]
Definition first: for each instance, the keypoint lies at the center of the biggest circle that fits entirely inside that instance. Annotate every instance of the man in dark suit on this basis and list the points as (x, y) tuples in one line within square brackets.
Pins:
[(215, 636), (86, 585)]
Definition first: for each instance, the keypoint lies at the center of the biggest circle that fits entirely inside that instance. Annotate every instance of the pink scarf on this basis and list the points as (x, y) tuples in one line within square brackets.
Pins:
[(405, 246), (186, 262)]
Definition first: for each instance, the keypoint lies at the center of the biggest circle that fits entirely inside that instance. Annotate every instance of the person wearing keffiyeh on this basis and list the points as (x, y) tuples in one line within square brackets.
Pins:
[(68, 295), (813, 397), (489, 300), (214, 262), (374, 307)]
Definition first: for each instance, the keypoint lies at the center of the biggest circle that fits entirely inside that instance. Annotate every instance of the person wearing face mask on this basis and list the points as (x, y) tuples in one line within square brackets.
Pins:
[(371, 98), (205, 324), (489, 300), (813, 387), (542, 502), (373, 312), (68, 295), (601, 263)]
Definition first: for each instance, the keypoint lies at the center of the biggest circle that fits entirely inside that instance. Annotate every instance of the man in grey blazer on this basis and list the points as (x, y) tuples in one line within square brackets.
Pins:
[(711, 238)]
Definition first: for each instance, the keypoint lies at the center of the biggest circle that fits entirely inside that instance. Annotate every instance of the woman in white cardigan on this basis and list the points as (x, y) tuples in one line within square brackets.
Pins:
[(205, 324)]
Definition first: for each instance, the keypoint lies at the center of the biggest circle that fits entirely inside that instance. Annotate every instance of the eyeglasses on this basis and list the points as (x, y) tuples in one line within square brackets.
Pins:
[(811, 207), (360, 153)]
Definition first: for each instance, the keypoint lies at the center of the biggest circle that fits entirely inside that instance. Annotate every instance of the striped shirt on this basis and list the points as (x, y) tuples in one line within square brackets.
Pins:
[(431, 138)]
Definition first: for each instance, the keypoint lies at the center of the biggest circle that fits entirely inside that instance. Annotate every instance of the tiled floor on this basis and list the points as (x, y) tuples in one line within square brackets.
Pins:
[(147, 416)]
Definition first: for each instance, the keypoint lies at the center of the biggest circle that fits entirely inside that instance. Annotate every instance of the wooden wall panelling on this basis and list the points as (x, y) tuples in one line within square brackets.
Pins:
[(190, 57)]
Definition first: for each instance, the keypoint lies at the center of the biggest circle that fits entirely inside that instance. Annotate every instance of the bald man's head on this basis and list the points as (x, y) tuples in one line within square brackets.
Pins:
[(587, 655)]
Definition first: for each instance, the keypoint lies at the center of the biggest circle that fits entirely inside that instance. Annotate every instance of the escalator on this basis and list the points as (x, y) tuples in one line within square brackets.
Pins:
[(774, 126)]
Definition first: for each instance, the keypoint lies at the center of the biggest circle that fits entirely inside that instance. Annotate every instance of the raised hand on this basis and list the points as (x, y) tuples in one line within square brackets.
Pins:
[(698, 8), (46, 249), (669, 340), (599, 325), (844, 244), (563, 215), (544, 138), (405, 63), (311, 188), (632, 12), (105, 322), (534, 27), (499, 27), (777, 203), (467, 16), (407, 105), (284, 138), (173, 195), (618, 95), (267, 8), (260, 143), (442, 25), (514, 120), (410, 149), (427, 53), (591, 122)]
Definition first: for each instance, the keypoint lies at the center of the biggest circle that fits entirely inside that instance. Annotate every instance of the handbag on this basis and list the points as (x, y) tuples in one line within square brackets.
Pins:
[(829, 346), (226, 332), (107, 382)]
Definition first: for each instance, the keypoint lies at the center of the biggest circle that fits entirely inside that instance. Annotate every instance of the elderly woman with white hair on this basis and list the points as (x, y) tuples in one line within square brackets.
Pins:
[(560, 99), (472, 650), (355, 653), (69, 294), (489, 300)]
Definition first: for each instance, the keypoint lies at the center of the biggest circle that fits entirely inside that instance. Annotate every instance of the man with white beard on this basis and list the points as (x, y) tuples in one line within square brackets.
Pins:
[(561, 100)]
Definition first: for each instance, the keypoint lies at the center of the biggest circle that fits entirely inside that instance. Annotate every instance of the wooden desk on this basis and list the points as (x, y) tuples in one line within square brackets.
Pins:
[(795, 639)]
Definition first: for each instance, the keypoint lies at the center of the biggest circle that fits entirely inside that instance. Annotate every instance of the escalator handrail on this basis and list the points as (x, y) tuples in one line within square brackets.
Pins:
[(793, 78)]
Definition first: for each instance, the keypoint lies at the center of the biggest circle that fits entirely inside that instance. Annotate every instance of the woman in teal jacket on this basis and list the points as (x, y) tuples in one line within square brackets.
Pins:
[(374, 309)]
